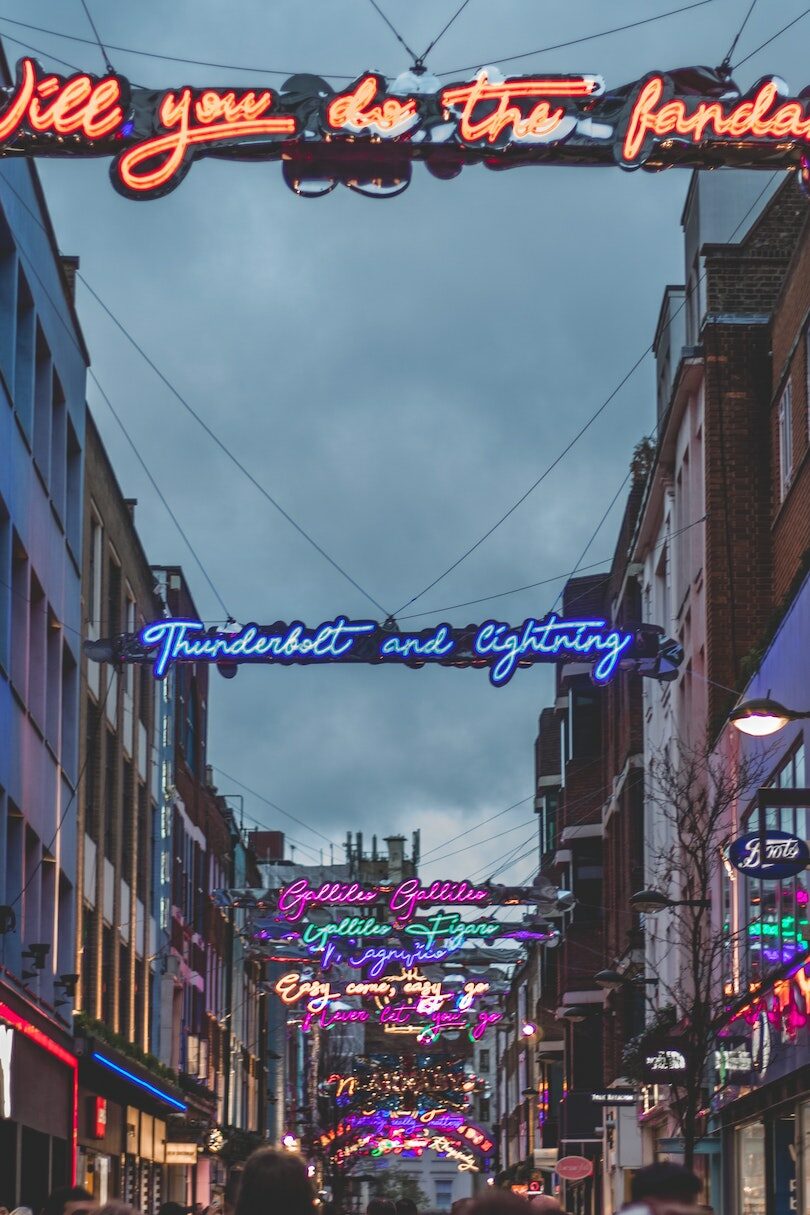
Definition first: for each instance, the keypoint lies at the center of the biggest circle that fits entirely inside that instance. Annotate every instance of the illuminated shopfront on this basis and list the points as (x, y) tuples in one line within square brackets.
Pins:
[(38, 1104)]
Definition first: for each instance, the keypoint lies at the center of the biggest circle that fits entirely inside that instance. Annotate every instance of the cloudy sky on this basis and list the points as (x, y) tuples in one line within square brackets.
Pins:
[(396, 373)]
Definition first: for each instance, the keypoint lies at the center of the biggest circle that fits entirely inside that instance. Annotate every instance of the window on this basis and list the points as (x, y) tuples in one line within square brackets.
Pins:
[(785, 440), (778, 913), (483, 1061), (24, 355)]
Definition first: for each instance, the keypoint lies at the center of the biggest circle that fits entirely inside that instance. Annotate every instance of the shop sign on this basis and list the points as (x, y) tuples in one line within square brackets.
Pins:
[(615, 1096), (733, 1060), (181, 1153), (501, 648), (785, 855), (98, 1117), (6, 1048), (574, 1168), (666, 1063), (367, 136)]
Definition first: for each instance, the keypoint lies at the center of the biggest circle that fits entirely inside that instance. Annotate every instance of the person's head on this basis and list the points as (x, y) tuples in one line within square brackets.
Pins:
[(405, 1206), (274, 1180), (68, 1200), (231, 1191), (544, 1203), (117, 1208), (665, 1180), (381, 1206), (498, 1202), (172, 1208)]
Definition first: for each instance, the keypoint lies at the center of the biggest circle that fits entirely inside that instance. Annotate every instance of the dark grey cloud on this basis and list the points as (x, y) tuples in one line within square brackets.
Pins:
[(397, 373)]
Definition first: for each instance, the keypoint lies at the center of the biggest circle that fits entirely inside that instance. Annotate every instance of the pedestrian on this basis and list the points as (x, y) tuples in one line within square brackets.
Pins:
[(172, 1208), (381, 1206), (116, 1208), (275, 1181), (68, 1200), (663, 1188), (498, 1202), (406, 1206), (231, 1192), (544, 1203)]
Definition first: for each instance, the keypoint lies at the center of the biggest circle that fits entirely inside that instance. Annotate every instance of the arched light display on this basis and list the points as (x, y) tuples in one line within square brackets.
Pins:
[(368, 135)]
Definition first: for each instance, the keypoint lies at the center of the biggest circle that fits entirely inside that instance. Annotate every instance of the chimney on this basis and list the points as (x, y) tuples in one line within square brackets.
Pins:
[(396, 857), (373, 847), (130, 504), (70, 264)]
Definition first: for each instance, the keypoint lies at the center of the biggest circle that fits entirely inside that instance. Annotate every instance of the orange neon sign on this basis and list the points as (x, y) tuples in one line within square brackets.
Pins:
[(355, 112), (49, 105), (367, 135), (541, 122), (756, 117), (191, 121)]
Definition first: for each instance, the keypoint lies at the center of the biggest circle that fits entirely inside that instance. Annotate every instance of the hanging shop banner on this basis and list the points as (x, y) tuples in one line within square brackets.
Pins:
[(499, 647), (367, 136), (785, 855)]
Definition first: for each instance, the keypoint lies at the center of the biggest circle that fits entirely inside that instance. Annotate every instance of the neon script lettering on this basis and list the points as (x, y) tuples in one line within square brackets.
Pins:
[(192, 120), (365, 109), (450, 924), (175, 641), (654, 118), (499, 646), (501, 115), (317, 935), (410, 895), (578, 638), (295, 899), (378, 960), (49, 105)]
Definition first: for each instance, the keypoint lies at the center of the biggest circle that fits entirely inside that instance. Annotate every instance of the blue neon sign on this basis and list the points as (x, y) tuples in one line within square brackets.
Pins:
[(144, 1084), (500, 647)]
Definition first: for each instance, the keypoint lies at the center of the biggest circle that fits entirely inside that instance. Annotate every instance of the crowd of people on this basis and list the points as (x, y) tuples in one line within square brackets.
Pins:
[(277, 1183)]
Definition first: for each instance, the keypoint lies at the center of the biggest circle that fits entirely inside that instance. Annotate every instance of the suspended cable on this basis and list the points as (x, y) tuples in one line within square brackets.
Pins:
[(35, 50), (593, 536), (467, 847), (131, 50), (274, 805), (530, 586), (584, 428), (773, 38), (557, 46), (395, 31), (444, 30), (160, 494), (265, 493), (477, 827), (539, 481), (738, 35), (97, 36)]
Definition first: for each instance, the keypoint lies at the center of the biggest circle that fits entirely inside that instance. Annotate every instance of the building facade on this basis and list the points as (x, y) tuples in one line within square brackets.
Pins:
[(43, 363)]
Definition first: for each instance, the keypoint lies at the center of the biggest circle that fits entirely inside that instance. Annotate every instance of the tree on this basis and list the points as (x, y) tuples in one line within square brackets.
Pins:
[(691, 797)]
